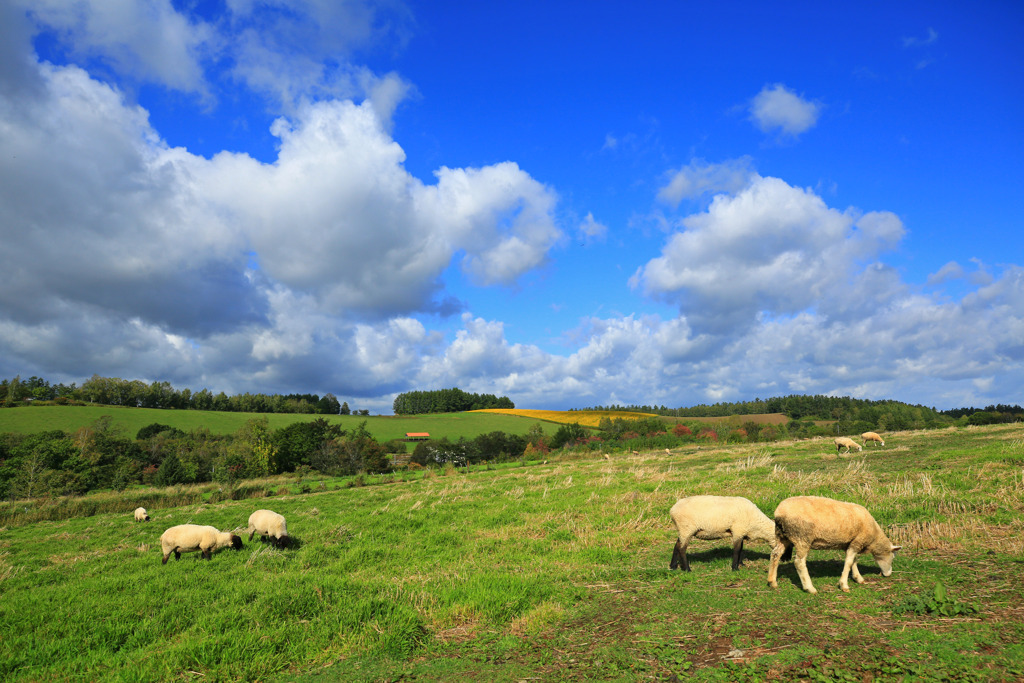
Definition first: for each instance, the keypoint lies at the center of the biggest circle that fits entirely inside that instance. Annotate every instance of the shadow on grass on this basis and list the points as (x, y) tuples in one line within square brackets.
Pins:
[(290, 542), (722, 555), (827, 571)]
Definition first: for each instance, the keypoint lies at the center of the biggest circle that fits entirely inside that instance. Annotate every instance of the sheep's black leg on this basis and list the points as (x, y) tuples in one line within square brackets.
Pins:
[(787, 555), (684, 560), (737, 554), (675, 556), (177, 555)]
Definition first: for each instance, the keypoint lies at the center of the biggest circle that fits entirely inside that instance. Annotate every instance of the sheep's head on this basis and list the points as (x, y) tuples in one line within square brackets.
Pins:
[(236, 542), (884, 560)]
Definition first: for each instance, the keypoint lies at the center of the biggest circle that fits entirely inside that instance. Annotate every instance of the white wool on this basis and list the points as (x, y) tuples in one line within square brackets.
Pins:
[(805, 522), (872, 436), (715, 517), (848, 443), (186, 538), (268, 523)]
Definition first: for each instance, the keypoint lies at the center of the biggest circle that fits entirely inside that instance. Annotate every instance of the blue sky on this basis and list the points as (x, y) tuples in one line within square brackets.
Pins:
[(570, 204)]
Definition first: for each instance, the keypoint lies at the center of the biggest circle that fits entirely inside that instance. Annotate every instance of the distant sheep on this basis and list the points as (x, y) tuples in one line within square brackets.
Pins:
[(186, 538), (845, 441), (806, 522), (872, 436), (141, 515), (268, 524), (714, 517)]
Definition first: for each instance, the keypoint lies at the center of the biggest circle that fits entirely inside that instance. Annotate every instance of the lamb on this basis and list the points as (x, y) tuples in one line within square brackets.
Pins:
[(141, 515), (872, 436), (186, 538), (713, 517), (849, 443), (268, 524), (805, 522)]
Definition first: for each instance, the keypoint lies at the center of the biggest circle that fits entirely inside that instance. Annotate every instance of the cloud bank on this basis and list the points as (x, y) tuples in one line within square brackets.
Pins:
[(328, 267)]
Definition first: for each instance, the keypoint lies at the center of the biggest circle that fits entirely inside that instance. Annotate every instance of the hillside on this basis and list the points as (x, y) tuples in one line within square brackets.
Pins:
[(531, 571), (32, 419)]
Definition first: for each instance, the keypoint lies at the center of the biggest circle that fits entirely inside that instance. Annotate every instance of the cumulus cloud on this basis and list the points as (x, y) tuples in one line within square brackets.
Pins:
[(699, 178), (770, 248), (777, 108), (150, 41), (116, 242)]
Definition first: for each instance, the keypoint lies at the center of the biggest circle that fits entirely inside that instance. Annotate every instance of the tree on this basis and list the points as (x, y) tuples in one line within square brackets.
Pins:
[(171, 472), (299, 441), (328, 405), (345, 410), (14, 390)]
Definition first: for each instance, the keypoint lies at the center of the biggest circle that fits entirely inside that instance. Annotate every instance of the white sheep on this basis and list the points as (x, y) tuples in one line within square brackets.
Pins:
[(872, 436), (268, 524), (849, 443), (141, 515), (805, 522), (713, 517), (186, 538)]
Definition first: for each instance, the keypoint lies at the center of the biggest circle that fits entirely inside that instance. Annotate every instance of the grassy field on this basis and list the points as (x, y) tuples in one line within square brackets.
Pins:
[(553, 571), (32, 419), (592, 418)]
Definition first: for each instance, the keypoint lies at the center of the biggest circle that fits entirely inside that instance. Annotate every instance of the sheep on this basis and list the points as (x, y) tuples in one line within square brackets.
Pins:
[(713, 517), (186, 538), (805, 522), (268, 524), (141, 515), (872, 436), (849, 443)]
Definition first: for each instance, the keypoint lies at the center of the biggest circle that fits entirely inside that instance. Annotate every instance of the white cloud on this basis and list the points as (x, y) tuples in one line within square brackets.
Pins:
[(950, 271), (777, 108), (913, 41), (262, 271), (591, 230), (149, 40), (700, 178), (771, 247)]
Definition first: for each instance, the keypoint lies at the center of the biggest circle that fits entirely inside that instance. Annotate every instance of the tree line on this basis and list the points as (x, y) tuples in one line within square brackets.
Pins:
[(885, 414), (452, 400), (100, 456), (114, 391)]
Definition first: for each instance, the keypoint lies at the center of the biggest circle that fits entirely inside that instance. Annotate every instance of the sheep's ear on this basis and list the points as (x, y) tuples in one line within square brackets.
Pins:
[(896, 547)]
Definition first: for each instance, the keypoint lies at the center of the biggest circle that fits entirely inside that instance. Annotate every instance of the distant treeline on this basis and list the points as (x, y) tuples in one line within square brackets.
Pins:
[(994, 414), (452, 400), (886, 415), (114, 391)]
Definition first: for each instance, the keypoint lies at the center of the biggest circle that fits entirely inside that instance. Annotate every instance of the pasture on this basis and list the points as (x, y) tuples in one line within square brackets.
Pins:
[(33, 419), (544, 571)]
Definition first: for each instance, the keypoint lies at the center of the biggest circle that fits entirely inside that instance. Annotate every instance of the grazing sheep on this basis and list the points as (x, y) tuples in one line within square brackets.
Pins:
[(186, 538), (713, 517), (268, 524), (849, 443), (872, 436), (141, 515), (805, 522)]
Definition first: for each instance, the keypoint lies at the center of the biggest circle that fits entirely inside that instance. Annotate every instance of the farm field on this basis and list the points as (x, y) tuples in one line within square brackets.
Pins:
[(592, 418), (548, 571), (32, 419)]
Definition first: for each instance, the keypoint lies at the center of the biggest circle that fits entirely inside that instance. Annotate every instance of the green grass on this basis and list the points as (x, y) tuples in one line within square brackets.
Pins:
[(32, 419), (552, 572)]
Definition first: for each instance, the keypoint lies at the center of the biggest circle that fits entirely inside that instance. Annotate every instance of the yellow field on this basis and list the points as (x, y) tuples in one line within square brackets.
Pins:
[(585, 418)]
